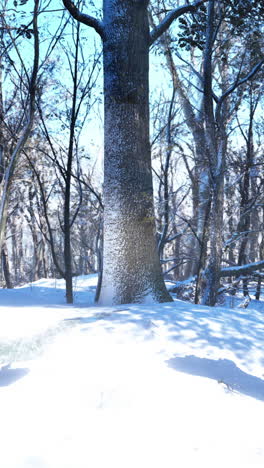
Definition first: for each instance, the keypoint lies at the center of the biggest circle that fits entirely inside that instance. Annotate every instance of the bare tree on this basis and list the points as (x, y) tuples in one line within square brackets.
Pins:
[(208, 118), (25, 128)]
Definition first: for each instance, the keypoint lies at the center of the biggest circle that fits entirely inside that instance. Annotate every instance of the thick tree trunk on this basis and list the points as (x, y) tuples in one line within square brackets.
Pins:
[(131, 267)]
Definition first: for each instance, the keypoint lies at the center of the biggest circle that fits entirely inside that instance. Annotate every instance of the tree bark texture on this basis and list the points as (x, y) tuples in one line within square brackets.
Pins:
[(131, 267)]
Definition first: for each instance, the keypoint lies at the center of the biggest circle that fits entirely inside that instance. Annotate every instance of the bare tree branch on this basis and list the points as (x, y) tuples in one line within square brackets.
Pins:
[(83, 18), (236, 84)]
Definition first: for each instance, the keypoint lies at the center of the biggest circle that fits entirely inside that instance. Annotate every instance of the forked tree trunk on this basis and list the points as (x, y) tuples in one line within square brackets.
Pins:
[(131, 267), (200, 180)]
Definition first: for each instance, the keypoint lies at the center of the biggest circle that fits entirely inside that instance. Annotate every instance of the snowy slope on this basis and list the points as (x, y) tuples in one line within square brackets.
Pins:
[(174, 385)]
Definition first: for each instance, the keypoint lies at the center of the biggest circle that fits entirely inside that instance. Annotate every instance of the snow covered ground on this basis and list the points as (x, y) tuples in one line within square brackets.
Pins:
[(166, 386)]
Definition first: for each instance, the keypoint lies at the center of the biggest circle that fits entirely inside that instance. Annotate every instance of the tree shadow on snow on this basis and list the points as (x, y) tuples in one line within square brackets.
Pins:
[(188, 324), (9, 376), (222, 370)]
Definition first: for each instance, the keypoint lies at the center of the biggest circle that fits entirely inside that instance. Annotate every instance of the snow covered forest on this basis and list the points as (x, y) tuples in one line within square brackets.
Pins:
[(202, 160), (131, 233)]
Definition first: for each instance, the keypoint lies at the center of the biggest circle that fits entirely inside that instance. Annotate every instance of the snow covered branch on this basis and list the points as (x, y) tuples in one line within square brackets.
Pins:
[(243, 269), (170, 17), (83, 18)]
